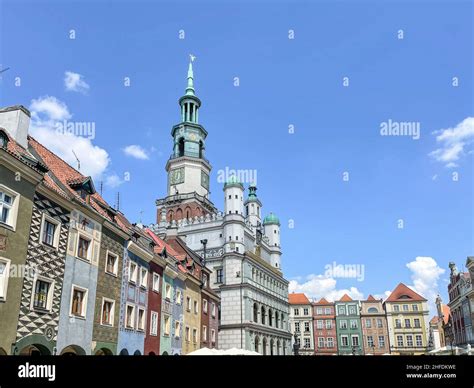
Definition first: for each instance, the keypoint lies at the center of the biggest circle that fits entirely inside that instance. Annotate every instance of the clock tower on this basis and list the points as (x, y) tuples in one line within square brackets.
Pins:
[(188, 169)]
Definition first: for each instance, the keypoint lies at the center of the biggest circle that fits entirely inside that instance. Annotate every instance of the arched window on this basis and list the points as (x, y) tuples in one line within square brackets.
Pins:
[(170, 216), (372, 310), (179, 214), (264, 345), (284, 348), (201, 148), (282, 320), (271, 347), (188, 212), (257, 340), (255, 312), (270, 317), (278, 347), (276, 320), (263, 315), (181, 147)]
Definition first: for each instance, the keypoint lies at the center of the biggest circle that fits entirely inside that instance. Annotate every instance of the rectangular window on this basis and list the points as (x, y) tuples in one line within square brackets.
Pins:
[(107, 317), (219, 275), (353, 324), (111, 263), (370, 341), (154, 323), (407, 323), (398, 323), (130, 317), (213, 336), (213, 309), (49, 229), (379, 323), (306, 327), (296, 312), (330, 342), (352, 310), (328, 324), (319, 324), (320, 342), (204, 333), (42, 294), (156, 282), (178, 297), (132, 271), (416, 322), (343, 324), (409, 341), (188, 303), (307, 343), (83, 248), (419, 341), (399, 340), (344, 341), (342, 310), (177, 329), (141, 319), (204, 306), (306, 311), (187, 334), (143, 277), (168, 291), (415, 307), (381, 341), (167, 325), (6, 208), (319, 311), (4, 273), (297, 327), (368, 323), (196, 307), (405, 307), (396, 308), (355, 340), (78, 302), (327, 310)]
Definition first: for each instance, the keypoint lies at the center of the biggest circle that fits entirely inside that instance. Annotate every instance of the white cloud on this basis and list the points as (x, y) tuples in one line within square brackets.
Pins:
[(46, 112), (135, 151), (383, 296), (320, 286), (453, 142), (425, 275), (74, 82), (113, 181)]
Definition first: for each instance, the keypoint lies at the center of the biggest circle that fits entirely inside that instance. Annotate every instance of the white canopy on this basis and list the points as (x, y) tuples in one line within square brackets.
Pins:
[(228, 352)]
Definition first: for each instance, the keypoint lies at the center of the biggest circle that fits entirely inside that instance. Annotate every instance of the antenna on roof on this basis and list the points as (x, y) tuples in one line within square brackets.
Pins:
[(117, 203), (78, 161), (101, 187)]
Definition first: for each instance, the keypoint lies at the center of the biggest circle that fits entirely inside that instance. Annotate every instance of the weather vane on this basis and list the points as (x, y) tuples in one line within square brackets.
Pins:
[(193, 57)]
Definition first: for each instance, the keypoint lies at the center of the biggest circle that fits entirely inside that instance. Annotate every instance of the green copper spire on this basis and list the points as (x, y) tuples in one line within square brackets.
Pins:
[(190, 88)]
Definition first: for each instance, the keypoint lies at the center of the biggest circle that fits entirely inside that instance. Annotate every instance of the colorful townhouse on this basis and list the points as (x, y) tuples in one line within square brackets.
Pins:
[(407, 319), (324, 328), (21, 178), (374, 327), (138, 253), (459, 289), (301, 322), (348, 326), (209, 312)]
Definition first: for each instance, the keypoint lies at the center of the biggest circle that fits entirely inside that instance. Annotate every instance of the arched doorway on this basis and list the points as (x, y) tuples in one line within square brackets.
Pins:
[(35, 350), (123, 352), (165, 353), (264, 345), (103, 352), (152, 354), (73, 350), (137, 353)]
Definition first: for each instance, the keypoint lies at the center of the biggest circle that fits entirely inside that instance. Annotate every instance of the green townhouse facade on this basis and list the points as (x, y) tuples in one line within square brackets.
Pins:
[(348, 326)]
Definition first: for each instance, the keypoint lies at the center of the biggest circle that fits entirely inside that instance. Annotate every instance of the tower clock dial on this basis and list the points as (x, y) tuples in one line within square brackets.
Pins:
[(177, 176)]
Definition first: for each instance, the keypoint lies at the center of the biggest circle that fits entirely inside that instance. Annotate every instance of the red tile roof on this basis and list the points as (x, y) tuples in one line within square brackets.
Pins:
[(371, 299), (298, 298), (446, 313), (434, 320), (345, 298), (402, 293), (323, 302)]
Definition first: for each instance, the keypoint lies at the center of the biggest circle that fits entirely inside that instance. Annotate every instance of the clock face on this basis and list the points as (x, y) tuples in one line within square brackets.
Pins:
[(192, 136), (177, 176)]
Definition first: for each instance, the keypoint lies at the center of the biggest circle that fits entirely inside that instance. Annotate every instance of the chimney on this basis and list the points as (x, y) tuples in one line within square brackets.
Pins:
[(16, 120)]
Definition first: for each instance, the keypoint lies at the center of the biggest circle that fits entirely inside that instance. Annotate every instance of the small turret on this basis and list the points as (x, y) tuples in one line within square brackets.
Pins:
[(234, 215), (271, 225), (253, 207)]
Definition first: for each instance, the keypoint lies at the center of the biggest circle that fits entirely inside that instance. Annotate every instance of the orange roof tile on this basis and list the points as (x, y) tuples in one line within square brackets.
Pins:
[(298, 298), (346, 298), (403, 293), (446, 313), (371, 299)]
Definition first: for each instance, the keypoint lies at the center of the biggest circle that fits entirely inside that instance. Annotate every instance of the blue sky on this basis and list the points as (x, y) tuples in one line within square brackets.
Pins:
[(282, 82)]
